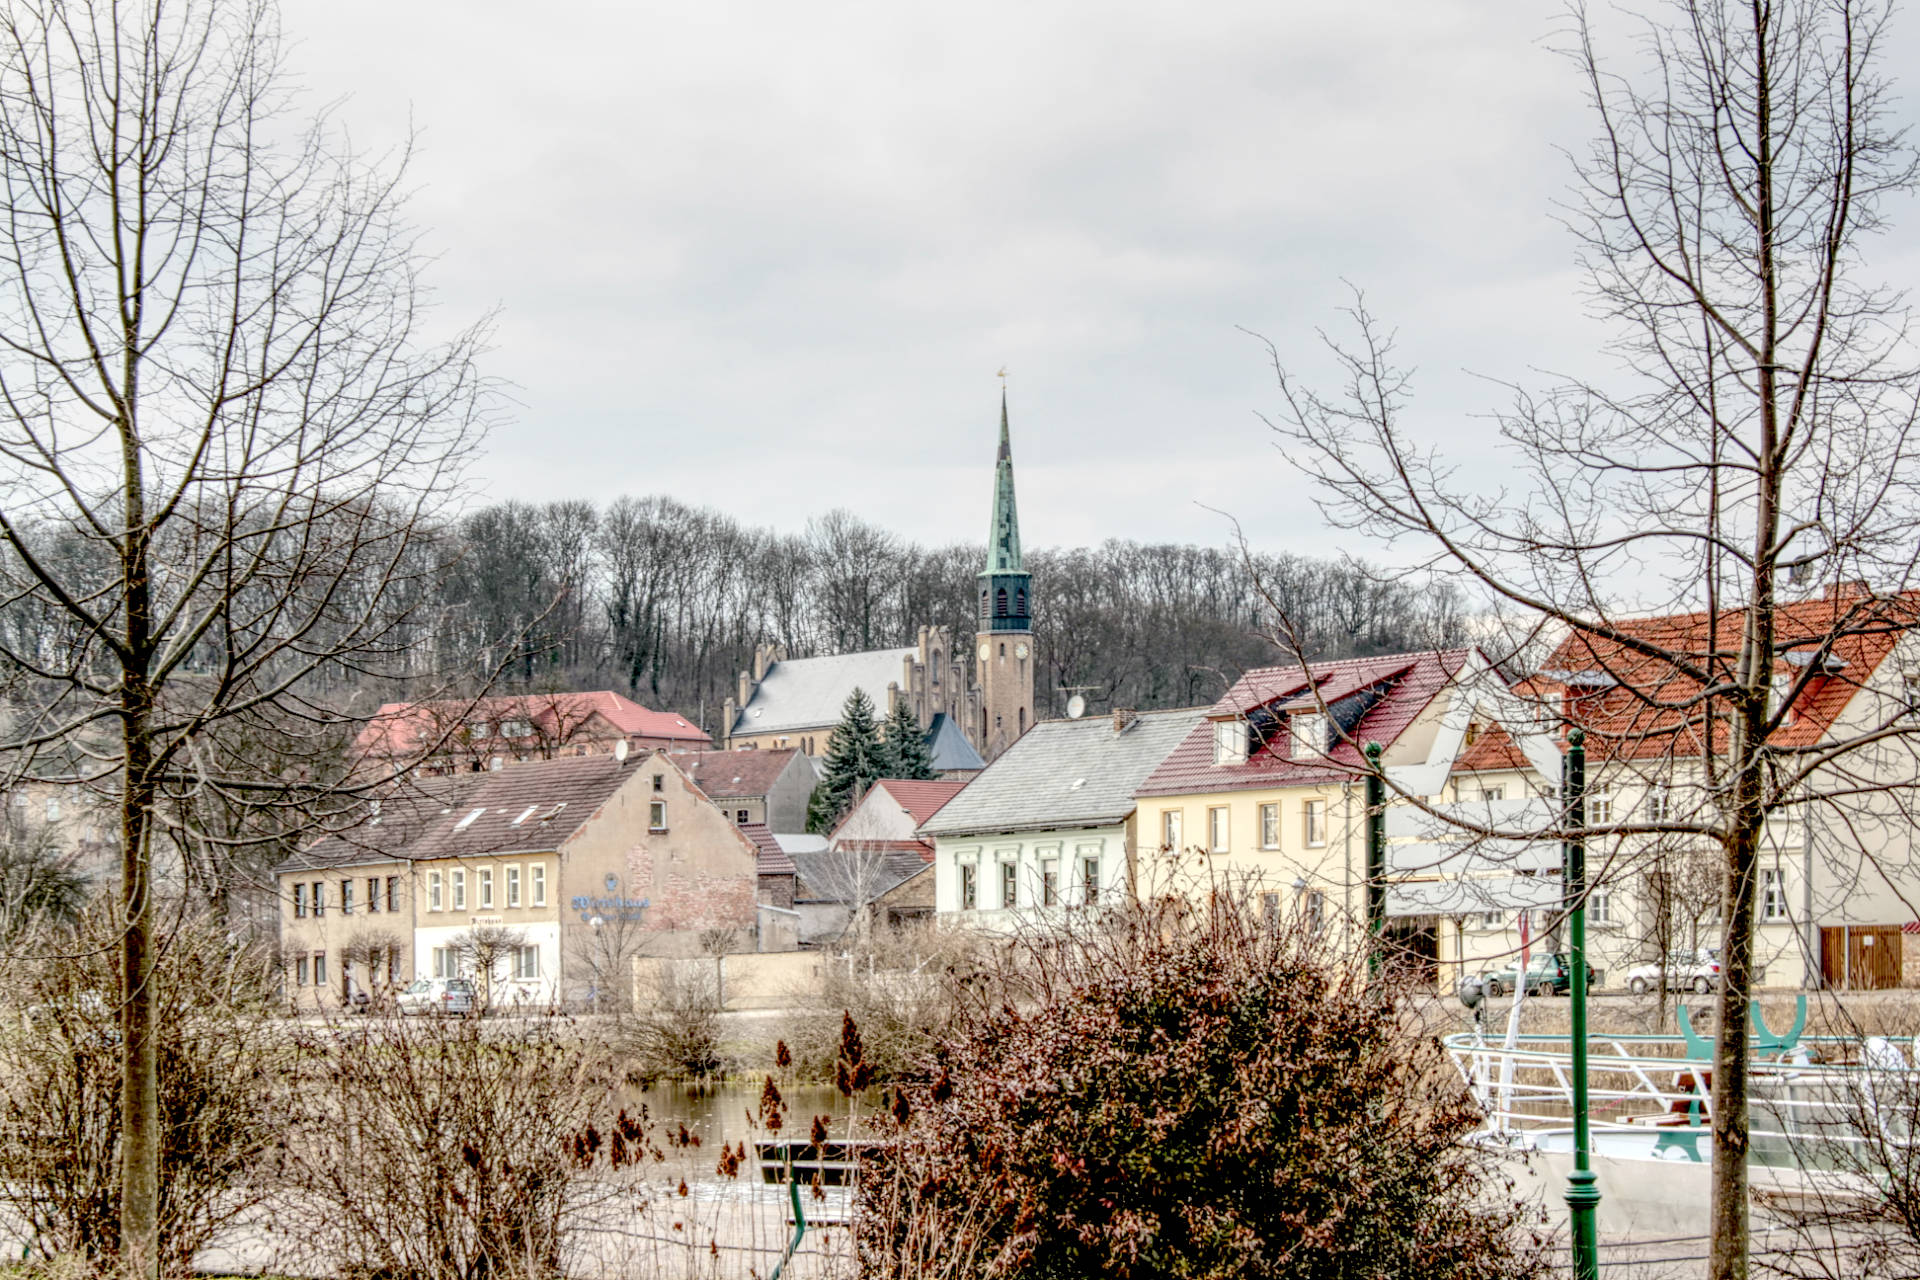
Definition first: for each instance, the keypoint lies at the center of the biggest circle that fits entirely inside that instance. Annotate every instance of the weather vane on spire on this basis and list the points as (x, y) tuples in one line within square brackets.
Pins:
[(1002, 375)]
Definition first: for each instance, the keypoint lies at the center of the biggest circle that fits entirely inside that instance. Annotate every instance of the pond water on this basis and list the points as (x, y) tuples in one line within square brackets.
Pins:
[(729, 1112)]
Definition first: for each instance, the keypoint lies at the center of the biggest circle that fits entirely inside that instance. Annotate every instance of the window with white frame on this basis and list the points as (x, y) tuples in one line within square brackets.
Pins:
[(526, 962), (1270, 911), (1313, 823), (1316, 910), (969, 887), (1492, 919), (1599, 804), (539, 873), (393, 893), (1270, 826), (53, 808), (656, 815), (373, 894), (485, 875), (1050, 882), (1600, 907), (446, 963), (319, 898), (1309, 736), (1090, 880), (1229, 742), (1217, 829), (1773, 894), (1009, 884), (300, 901), (458, 879), (434, 889), (299, 971), (1491, 794), (346, 897), (513, 887), (1170, 830), (1659, 803), (319, 968)]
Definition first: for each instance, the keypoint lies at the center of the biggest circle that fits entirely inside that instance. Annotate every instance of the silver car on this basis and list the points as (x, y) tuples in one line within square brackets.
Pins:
[(1686, 970), (437, 995)]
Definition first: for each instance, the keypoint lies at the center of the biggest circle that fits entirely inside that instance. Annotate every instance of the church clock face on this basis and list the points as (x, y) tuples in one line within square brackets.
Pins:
[(983, 652), (1020, 651)]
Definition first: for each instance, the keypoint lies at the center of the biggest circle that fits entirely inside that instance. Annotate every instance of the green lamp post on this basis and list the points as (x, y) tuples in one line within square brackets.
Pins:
[(1583, 1197)]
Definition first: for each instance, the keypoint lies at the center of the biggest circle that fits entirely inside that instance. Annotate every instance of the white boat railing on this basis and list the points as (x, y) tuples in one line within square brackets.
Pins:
[(1824, 1090)]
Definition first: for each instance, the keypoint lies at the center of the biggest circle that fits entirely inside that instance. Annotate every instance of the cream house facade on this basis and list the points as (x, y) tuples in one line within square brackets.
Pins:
[(536, 869), (1838, 874), (1049, 827), (1265, 798)]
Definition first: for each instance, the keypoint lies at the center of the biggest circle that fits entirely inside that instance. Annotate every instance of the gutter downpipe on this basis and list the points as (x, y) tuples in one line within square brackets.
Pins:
[(1813, 976), (1346, 886)]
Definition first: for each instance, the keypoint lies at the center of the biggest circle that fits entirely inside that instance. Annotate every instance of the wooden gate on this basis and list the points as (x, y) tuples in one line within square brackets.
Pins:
[(1861, 957)]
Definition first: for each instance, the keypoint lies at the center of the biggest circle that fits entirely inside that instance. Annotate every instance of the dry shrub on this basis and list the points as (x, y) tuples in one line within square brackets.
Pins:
[(452, 1150), (222, 1068), (676, 1033), (896, 985), (1142, 1096)]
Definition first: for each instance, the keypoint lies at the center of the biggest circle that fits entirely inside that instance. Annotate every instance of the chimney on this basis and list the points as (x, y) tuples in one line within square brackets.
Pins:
[(745, 689), (1848, 589), (762, 655), (1123, 717), (728, 710)]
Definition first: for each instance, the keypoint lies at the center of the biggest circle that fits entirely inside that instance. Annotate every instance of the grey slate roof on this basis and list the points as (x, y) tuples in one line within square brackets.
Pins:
[(950, 748), (807, 693), (842, 876), (1065, 773)]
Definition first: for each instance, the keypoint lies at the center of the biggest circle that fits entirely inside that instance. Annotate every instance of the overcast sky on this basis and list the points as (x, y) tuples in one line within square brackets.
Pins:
[(768, 257)]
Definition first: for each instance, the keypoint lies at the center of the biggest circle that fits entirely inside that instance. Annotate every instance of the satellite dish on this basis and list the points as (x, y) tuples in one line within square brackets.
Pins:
[(1076, 707), (620, 751)]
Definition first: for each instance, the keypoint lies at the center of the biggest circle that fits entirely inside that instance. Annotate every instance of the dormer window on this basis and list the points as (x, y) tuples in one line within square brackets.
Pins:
[(1229, 742), (1309, 736), (1782, 690)]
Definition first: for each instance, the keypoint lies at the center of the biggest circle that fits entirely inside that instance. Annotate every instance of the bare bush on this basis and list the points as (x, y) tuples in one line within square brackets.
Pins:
[(676, 1032), (895, 984), (452, 1150), (221, 1074)]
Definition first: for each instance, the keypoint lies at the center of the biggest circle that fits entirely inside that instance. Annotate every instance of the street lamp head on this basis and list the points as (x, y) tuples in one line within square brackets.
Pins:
[(1472, 991)]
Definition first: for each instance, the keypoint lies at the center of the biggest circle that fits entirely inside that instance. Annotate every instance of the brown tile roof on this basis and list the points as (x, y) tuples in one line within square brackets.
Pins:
[(920, 799), (774, 861), (529, 808), (1407, 681), (730, 774)]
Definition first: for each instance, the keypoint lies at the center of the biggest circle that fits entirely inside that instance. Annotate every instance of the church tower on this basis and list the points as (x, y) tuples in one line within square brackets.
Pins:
[(1006, 657)]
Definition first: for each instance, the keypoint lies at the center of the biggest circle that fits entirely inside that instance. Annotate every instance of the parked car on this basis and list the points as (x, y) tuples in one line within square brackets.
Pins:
[(437, 995), (1686, 970), (1549, 973)]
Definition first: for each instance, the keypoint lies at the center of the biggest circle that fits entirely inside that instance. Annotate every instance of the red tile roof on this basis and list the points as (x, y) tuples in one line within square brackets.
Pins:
[(774, 861), (403, 729), (1640, 706), (1410, 681), (920, 799), (731, 774)]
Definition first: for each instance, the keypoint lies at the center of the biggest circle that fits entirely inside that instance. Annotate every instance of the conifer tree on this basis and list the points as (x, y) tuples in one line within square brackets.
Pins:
[(855, 757), (907, 752)]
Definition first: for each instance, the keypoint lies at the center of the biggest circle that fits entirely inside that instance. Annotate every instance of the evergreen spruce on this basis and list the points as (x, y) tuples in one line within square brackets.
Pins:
[(908, 755), (856, 756)]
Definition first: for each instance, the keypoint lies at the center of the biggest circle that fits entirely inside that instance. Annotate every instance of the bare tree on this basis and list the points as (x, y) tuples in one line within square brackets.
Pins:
[(1761, 435), (224, 436), (483, 949)]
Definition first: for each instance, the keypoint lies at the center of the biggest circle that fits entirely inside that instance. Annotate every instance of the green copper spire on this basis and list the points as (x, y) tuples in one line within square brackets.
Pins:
[(1003, 536)]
